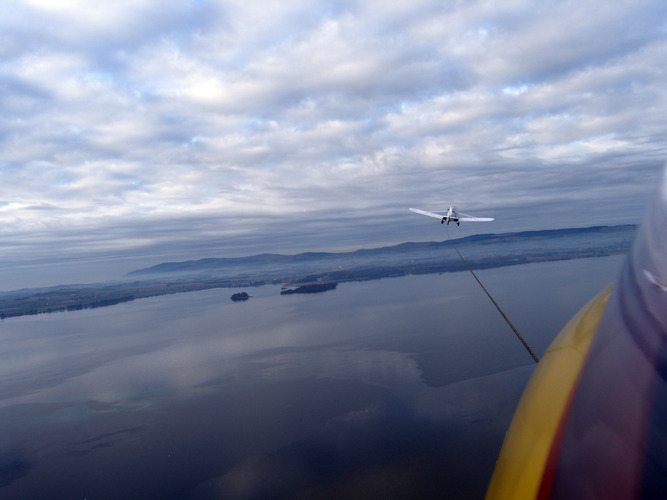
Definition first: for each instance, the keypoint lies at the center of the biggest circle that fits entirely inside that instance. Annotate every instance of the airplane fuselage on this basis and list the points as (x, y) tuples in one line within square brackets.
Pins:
[(450, 217)]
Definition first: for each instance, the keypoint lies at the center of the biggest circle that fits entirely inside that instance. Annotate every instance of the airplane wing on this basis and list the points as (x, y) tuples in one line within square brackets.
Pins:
[(470, 218), (591, 422), (429, 214), (475, 219)]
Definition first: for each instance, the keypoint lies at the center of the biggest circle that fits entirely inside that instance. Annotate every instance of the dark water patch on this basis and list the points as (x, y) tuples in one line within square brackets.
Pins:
[(398, 447), (13, 466)]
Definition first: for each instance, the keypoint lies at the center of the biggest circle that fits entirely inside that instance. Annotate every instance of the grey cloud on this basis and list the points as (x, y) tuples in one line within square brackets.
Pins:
[(206, 126)]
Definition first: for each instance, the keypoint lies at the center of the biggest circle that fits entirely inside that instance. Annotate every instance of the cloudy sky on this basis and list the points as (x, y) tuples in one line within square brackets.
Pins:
[(178, 129)]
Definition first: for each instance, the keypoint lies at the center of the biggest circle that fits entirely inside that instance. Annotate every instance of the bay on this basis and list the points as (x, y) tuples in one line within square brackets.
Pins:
[(395, 388)]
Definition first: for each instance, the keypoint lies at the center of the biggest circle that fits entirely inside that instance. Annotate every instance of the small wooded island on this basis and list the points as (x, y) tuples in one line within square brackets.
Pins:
[(240, 296), (310, 288)]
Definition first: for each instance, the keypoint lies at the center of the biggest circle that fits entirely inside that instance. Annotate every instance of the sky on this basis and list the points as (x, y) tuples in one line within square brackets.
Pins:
[(141, 131)]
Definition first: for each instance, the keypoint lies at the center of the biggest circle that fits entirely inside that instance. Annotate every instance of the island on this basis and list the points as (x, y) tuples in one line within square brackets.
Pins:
[(240, 296), (310, 288)]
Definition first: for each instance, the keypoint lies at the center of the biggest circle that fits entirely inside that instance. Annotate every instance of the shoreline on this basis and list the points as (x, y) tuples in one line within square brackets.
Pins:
[(68, 298)]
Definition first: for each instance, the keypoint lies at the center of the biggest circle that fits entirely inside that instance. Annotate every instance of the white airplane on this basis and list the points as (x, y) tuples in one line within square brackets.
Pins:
[(452, 216)]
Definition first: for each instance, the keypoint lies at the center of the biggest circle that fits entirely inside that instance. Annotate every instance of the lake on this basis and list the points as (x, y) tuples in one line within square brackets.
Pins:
[(396, 388)]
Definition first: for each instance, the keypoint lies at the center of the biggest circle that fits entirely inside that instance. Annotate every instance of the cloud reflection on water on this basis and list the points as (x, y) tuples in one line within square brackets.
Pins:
[(395, 387)]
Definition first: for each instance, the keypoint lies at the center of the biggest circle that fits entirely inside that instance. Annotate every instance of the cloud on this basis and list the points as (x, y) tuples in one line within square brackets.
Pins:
[(263, 124)]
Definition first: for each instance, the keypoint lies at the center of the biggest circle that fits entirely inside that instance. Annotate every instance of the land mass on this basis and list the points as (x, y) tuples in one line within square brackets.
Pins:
[(482, 251)]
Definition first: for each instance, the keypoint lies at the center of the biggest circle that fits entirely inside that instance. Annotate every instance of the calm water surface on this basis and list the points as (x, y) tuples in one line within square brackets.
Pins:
[(397, 388)]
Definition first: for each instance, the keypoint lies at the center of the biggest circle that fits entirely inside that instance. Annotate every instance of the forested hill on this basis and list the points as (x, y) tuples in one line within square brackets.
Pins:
[(608, 239)]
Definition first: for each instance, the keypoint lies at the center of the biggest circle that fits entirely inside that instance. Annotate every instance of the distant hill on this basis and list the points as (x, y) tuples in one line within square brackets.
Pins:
[(614, 238)]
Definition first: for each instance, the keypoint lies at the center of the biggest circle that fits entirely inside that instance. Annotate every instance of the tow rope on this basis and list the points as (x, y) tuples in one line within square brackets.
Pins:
[(521, 339)]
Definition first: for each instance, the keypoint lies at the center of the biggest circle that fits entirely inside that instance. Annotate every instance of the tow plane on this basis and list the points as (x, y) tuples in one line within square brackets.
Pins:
[(452, 216)]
